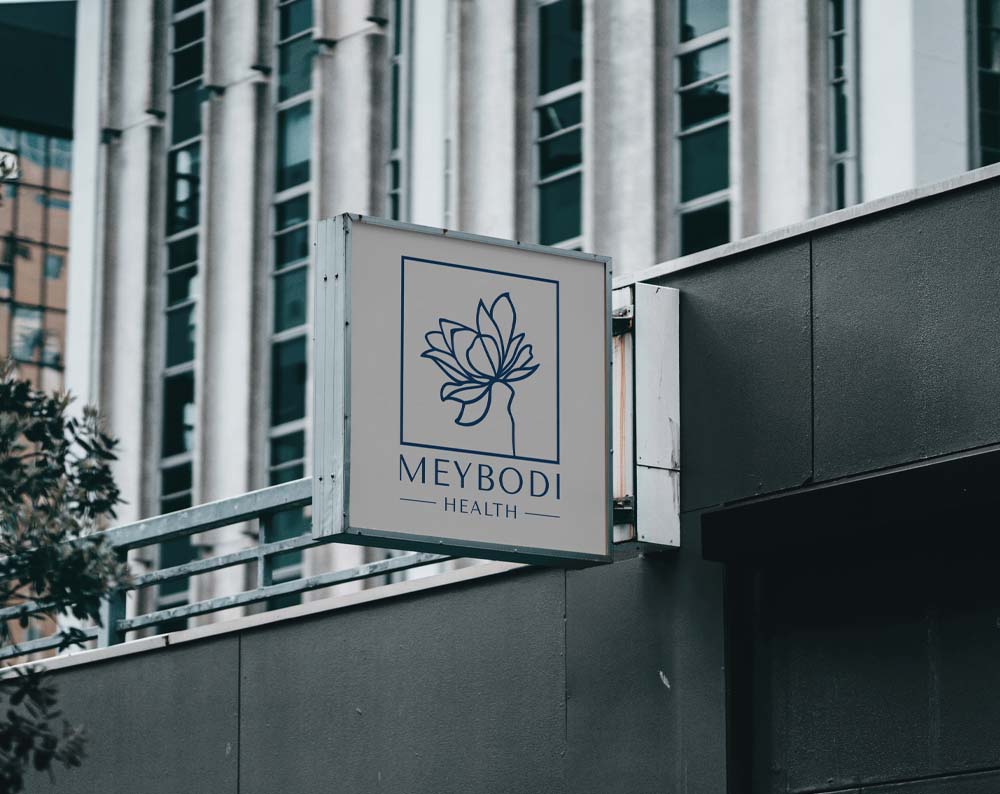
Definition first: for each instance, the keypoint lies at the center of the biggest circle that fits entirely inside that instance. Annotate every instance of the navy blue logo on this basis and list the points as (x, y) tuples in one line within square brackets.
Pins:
[(478, 361)]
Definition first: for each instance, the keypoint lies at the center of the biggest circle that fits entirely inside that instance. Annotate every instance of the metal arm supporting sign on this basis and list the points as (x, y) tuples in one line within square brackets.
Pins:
[(646, 429)]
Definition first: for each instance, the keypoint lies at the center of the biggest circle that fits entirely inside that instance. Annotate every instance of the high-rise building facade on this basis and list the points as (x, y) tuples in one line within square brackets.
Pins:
[(36, 125), (219, 131), (34, 228)]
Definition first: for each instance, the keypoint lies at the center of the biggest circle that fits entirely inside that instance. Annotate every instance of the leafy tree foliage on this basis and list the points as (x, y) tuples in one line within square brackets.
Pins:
[(56, 488)]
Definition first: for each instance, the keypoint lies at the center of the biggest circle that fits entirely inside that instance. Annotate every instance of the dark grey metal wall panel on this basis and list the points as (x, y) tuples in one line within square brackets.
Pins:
[(621, 687), (696, 600), (964, 628), (645, 678), (745, 377), (976, 783), (456, 690), (873, 674), (907, 363), (163, 721), (848, 681)]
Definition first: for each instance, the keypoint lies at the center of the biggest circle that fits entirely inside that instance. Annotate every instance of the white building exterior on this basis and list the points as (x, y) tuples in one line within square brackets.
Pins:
[(210, 136)]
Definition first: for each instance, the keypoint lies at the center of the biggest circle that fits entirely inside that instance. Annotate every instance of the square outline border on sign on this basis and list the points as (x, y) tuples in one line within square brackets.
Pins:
[(402, 341)]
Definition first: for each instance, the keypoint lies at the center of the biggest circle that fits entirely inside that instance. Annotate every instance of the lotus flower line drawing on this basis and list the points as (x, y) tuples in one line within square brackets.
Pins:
[(477, 361)]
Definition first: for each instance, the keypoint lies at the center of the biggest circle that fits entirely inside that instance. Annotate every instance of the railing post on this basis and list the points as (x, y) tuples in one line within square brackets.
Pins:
[(113, 610), (264, 566)]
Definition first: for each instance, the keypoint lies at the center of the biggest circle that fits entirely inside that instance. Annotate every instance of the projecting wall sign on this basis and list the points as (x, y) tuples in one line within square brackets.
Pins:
[(462, 394)]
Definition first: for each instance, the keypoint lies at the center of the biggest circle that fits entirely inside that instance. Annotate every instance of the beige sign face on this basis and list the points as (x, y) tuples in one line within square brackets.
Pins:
[(477, 395)]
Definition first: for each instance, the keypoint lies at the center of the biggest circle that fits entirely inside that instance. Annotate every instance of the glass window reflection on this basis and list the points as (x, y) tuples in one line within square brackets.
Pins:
[(288, 381), (294, 134), (699, 17)]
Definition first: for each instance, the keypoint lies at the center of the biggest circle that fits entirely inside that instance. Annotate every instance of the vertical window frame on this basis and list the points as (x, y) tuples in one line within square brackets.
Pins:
[(173, 236), (280, 197), (849, 160), (543, 100), (685, 207), (397, 174), (276, 270)]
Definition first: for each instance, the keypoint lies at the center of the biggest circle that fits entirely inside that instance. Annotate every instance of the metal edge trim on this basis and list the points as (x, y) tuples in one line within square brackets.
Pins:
[(830, 219), (455, 548), (319, 330), (608, 410), (344, 341), (371, 220), (248, 622)]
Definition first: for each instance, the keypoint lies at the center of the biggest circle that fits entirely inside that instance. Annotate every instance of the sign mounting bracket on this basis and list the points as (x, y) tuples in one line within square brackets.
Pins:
[(646, 425)]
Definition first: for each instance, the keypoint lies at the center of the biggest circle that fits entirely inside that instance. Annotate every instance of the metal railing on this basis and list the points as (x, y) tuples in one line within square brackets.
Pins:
[(261, 506)]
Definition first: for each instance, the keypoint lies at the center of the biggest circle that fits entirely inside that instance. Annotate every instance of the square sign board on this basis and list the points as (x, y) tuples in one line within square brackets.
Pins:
[(462, 394)]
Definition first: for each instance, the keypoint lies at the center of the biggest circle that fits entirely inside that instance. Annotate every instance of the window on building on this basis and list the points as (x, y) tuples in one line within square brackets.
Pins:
[(290, 299), (181, 277), (295, 49), (186, 122), (288, 380), (176, 485), (180, 334), (175, 489), (560, 54), (699, 17), (703, 125), (34, 235), (294, 140), (398, 98), (183, 176), (54, 266), (28, 337), (8, 195), (187, 56), (294, 17), (289, 279), (288, 454), (182, 273), (559, 123), (291, 238), (988, 81), (178, 414), (842, 76)]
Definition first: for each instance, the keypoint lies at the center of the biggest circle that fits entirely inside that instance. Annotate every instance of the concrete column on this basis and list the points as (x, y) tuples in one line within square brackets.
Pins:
[(941, 72), (887, 97), (914, 83), (229, 218), (127, 257), (125, 353), (621, 160), (782, 97), (428, 112), (351, 109), (226, 376), (487, 118), (86, 220)]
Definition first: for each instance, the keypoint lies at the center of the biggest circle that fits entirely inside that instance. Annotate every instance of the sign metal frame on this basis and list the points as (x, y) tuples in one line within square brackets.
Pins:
[(332, 401)]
